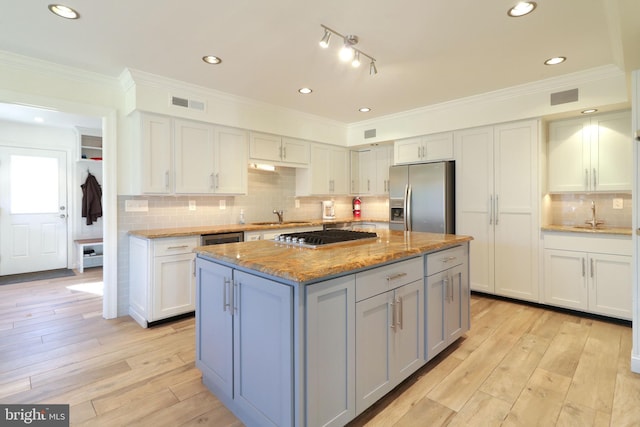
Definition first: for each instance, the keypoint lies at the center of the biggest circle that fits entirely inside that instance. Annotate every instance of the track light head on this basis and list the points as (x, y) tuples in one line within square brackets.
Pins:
[(347, 52), (324, 42), (356, 60), (372, 68)]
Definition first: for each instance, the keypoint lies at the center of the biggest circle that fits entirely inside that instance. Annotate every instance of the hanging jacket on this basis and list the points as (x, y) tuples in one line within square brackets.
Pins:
[(91, 199)]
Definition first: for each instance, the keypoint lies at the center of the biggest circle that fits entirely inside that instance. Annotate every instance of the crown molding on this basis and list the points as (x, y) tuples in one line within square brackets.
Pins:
[(551, 84)]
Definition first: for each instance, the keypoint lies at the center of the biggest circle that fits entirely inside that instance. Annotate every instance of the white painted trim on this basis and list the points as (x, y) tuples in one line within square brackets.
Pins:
[(635, 284)]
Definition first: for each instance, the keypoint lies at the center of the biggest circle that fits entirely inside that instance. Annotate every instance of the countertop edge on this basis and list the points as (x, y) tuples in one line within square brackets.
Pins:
[(619, 231)]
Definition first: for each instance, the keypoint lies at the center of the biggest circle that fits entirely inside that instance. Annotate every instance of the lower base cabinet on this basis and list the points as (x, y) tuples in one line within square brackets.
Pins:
[(596, 279), (447, 298), (244, 343)]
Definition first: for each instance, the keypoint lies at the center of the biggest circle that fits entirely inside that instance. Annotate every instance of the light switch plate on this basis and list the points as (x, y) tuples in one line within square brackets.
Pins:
[(192, 205), (223, 204), (618, 204)]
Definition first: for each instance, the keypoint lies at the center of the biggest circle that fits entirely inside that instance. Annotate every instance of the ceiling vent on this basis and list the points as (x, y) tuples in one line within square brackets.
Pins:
[(370, 133), (187, 103), (564, 97)]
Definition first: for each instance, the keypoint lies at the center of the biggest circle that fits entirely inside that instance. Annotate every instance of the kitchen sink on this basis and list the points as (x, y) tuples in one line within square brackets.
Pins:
[(280, 223)]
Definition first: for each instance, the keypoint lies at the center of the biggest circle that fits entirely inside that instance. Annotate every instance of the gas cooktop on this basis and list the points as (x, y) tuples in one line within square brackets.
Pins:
[(314, 239)]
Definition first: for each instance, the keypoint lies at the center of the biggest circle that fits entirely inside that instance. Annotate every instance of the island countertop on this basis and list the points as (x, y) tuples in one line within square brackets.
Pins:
[(306, 265)]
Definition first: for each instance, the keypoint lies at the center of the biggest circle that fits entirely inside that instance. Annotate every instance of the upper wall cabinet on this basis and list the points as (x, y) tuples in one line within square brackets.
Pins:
[(370, 171), (427, 148), (327, 174), (187, 157), (281, 150), (591, 154)]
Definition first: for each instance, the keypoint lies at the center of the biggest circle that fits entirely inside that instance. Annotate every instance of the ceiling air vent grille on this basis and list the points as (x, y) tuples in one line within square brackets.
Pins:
[(369, 133), (564, 97), (187, 103)]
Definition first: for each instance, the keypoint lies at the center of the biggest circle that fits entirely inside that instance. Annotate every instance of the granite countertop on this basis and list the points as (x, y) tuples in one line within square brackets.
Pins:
[(230, 228), (620, 231), (304, 265)]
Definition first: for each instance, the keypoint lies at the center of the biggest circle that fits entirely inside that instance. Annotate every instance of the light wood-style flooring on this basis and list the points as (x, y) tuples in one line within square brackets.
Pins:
[(519, 366)]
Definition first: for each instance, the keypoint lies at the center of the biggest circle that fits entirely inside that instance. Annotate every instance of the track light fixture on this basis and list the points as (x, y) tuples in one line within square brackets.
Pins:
[(348, 52)]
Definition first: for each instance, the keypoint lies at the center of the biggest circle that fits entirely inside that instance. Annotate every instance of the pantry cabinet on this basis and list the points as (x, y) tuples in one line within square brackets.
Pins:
[(278, 149), (327, 174), (244, 344), (389, 328), (591, 274), (497, 203), (429, 148), (591, 154), (187, 157), (447, 298), (161, 278)]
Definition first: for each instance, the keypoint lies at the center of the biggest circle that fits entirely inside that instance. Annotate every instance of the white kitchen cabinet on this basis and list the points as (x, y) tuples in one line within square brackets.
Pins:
[(370, 171), (155, 162), (331, 353), (497, 203), (282, 150), (209, 159), (178, 156), (244, 342), (591, 154), (161, 278), (327, 174), (427, 148), (447, 298), (389, 328), (579, 278)]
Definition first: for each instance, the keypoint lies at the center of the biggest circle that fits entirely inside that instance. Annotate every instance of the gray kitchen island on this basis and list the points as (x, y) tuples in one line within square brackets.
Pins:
[(296, 336)]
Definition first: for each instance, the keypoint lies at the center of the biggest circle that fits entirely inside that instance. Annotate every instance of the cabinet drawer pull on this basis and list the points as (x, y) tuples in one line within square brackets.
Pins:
[(583, 267), (178, 247), (225, 295), (392, 307), (395, 276), (448, 259), (591, 267)]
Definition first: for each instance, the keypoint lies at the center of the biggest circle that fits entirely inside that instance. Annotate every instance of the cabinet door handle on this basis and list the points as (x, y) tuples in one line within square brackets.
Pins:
[(491, 209), (591, 267), (194, 267), (497, 210), (217, 180), (395, 277), (422, 151), (446, 288), (284, 153), (419, 152), (235, 296), (280, 149), (399, 303), (594, 178), (586, 178), (212, 182), (583, 267), (392, 307), (225, 295), (166, 179)]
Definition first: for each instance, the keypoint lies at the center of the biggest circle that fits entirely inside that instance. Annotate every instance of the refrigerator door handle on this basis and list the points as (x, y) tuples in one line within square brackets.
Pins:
[(497, 210), (408, 209), (491, 209)]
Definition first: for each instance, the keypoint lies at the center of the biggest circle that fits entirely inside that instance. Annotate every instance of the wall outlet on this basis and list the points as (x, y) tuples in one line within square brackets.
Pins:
[(192, 205), (136, 206), (297, 203), (223, 204), (618, 204)]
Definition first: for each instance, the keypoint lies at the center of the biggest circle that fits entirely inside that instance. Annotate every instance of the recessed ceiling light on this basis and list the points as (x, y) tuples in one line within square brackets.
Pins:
[(364, 109), (210, 59), (589, 111), (555, 60), (64, 11), (522, 8), (305, 90)]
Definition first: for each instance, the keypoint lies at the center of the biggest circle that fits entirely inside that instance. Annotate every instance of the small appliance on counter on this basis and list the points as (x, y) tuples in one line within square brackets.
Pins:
[(328, 209)]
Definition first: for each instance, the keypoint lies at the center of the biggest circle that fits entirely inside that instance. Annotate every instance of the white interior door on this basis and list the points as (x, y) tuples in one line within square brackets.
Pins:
[(33, 210)]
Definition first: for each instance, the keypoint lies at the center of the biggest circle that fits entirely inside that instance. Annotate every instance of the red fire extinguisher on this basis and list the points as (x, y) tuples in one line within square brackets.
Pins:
[(356, 207)]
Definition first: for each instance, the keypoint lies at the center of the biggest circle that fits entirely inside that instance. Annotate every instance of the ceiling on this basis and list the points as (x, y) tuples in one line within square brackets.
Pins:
[(427, 51)]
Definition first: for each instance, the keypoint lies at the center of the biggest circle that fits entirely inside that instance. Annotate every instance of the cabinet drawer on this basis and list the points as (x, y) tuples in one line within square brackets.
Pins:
[(173, 246), (382, 279), (440, 261)]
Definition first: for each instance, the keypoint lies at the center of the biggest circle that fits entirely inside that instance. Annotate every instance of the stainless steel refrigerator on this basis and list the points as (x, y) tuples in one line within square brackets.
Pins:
[(422, 197)]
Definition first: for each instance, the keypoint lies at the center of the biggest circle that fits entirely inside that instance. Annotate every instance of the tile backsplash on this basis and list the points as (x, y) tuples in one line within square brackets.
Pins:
[(266, 191), (575, 209)]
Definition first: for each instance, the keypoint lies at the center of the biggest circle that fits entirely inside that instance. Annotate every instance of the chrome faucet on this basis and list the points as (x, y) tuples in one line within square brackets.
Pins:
[(593, 222), (279, 213)]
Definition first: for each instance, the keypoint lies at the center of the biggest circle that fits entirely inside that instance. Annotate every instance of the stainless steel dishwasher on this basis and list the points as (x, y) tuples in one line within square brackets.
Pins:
[(220, 238)]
